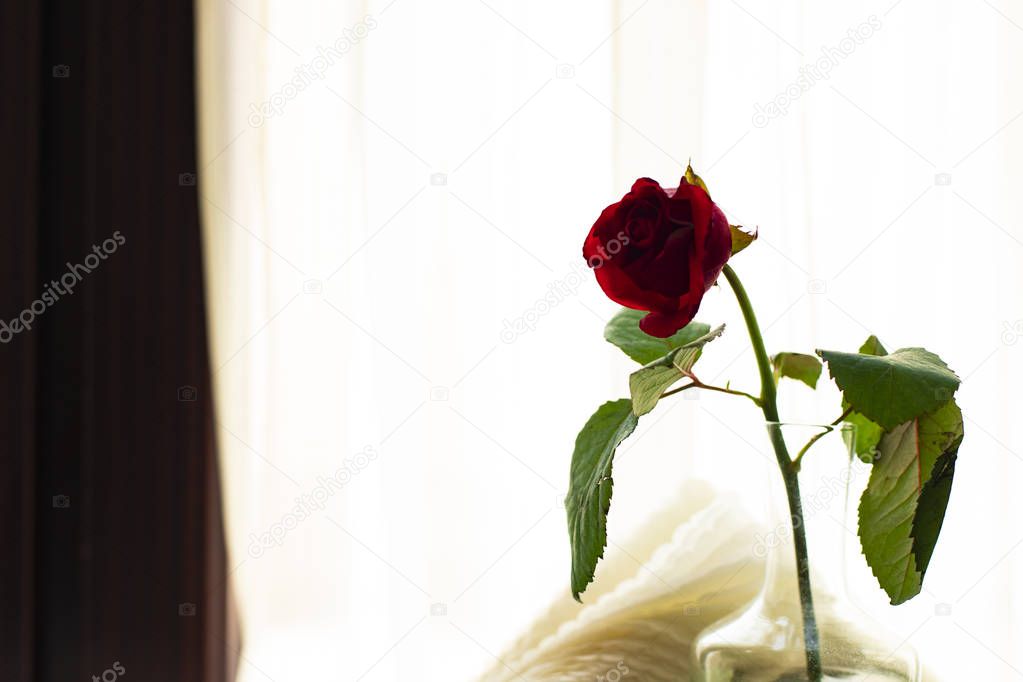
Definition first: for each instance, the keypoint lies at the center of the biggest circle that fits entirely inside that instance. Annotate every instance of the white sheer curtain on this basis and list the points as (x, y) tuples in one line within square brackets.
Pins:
[(387, 185)]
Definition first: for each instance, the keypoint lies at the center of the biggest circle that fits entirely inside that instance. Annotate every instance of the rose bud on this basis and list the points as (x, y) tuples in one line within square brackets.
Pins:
[(659, 250)]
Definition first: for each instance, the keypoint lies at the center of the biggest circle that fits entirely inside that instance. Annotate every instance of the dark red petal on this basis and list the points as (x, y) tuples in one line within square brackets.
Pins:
[(667, 270), (645, 186), (680, 209), (621, 289), (605, 228), (702, 208), (718, 247), (675, 244), (663, 325)]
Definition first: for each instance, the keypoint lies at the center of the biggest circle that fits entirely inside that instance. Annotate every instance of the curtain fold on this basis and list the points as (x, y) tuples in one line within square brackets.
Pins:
[(19, 63), (111, 488)]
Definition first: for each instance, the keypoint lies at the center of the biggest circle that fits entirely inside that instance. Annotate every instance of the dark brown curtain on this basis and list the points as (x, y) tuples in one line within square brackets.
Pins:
[(114, 561)]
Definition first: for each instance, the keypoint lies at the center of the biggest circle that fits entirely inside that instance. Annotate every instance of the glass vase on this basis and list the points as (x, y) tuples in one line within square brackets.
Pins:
[(764, 641)]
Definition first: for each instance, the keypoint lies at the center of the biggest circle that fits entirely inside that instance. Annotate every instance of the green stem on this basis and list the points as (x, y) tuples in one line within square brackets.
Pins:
[(677, 390), (699, 384), (802, 451), (729, 391), (789, 473), (798, 461)]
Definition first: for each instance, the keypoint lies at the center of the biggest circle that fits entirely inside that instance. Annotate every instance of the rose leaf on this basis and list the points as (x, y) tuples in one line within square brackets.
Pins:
[(798, 366), (903, 506), (589, 493), (623, 331), (865, 436), (741, 238), (648, 383), (872, 346), (892, 389)]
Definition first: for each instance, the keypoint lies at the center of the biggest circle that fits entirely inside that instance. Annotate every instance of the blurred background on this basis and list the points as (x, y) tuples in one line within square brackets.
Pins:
[(390, 192), (372, 238)]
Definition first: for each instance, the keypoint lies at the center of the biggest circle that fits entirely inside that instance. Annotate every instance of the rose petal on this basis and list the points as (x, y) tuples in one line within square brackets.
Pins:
[(663, 325), (659, 250)]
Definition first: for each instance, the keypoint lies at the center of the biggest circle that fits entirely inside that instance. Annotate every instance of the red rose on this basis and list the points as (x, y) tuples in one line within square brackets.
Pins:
[(659, 251)]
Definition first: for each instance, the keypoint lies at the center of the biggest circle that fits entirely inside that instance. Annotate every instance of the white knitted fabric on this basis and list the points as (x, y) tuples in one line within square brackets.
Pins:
[(696, 566), (638, 621)]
